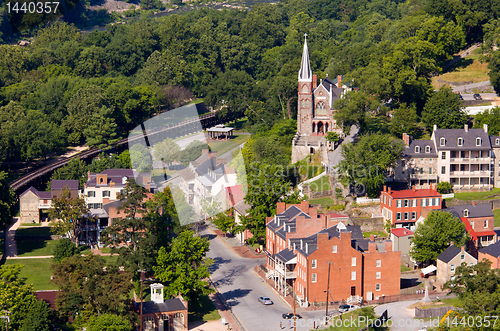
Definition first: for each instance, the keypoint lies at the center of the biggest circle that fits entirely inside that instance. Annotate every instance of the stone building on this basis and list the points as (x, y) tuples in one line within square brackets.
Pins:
[(449, 260)]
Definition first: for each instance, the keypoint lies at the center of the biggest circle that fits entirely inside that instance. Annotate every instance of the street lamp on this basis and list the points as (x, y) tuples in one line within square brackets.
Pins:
[(6, 318), (141, 279)]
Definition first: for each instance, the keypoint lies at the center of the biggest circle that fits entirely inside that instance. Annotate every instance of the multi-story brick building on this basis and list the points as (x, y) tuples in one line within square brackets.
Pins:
[(404, 207), (304, 249), (491, 253), (463, 157)]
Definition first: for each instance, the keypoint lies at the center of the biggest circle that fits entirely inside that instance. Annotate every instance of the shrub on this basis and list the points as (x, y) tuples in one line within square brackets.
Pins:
[(63, 249), (444, 188)]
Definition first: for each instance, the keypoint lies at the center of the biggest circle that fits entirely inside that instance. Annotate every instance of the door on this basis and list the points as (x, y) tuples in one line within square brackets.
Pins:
[(353, 290)]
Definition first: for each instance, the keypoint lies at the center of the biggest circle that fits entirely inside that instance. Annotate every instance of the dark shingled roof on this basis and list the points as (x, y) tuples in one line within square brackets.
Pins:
[(410, 151), (482, 210), (449, 253), (493, 250), (149, 307), (114, 175), (58, 184), (469, 139), (493, 141), (286, 255)]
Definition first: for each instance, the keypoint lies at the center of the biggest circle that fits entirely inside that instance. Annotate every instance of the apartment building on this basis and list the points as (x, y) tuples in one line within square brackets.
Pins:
[(404, 207), (314, 252), (463, 157)]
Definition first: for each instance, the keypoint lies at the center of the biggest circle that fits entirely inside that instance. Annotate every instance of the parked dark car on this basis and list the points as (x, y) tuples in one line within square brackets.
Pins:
[(460, 97), (477, 96), (290, 315)]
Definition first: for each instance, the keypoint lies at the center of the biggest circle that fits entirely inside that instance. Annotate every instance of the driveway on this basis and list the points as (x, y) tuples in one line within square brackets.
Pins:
[(468, 88), (241, 286), (335, 157)]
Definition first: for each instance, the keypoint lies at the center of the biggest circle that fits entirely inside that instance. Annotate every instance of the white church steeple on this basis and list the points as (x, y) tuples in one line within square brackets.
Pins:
[(305, 72)]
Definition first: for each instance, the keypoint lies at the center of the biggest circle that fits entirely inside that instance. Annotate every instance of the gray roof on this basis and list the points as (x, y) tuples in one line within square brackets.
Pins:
[(449, 253), (149, 307), (286, 255), (493, 140), (410, 151), (115, 175), (242, 207), (469, 139), (336, 91), (58, 184), (40, 194), (493, 250), (482, 210)]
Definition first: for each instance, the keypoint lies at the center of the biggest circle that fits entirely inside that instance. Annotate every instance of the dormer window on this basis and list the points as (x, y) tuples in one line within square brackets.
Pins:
[(478, 141), (466, 213), (442, 142), (417, 149), (427, 149), (460, 142), (497, 141)]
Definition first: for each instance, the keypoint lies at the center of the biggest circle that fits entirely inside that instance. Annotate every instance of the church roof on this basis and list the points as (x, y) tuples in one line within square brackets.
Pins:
[(305, 72)]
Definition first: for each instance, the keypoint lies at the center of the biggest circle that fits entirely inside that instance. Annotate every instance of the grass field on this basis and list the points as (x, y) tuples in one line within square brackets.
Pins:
[(35, 247), (376, 233), (488, 195), (34, 231), (404, 268), (224, 146), (469, 69), (496, 212), (36, 272), (320, 184), (324, 202), (206, 311)]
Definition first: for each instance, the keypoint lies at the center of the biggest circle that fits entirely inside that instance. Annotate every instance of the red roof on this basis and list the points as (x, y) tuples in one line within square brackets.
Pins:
[(236, 193), (485, 233), (413, 194), (401, 232), (469, 228), (335, 215)]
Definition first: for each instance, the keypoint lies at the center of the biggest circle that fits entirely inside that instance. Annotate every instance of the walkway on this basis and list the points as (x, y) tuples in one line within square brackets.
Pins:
[(10, 239)]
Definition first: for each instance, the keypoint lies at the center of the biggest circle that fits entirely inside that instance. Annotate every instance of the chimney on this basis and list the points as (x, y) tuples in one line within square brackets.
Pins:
[(462, 249), (485, 127), (388, 246), (111, 183), (204, 151), (372, 247), (339, 81), (413, 188), (474, 203), (372, 237), (385, 188), (280, 207), (88, 175), (406, 139), (434, 127), (325, 221), (451, 243), (315, 81), (466, 127), (389, 190), (304, 206)]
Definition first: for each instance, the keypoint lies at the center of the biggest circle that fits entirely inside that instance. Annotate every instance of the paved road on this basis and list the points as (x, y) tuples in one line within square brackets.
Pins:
[(470, 87), (335, 157), (241, 286), (484, 96)]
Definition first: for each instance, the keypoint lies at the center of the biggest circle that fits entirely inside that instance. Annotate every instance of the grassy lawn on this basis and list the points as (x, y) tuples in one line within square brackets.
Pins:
[(443, 302), (320, 184), (35, 247), (493, 194), (224, 146), (36, 272), (376, 233), (238, 124), (496, 212), (404, 268), (105, 250), (195, 101), (468, 69), (34, 231), (324, 202), (206, 311), (353, 316)]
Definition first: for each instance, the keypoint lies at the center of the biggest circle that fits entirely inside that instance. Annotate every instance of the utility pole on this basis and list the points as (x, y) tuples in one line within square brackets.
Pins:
[(293, 298), (142, 277), (328, 287)]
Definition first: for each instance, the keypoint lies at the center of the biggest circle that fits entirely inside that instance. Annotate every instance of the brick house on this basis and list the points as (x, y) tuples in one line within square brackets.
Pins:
[(491, 253), (33, 201), (302, 247), (164, 315), (405, 207), (449, 260)]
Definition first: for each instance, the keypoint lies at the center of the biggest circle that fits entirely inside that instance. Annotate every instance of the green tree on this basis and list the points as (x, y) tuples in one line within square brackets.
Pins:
[(74, 169), (404, 121), (368, 161), (102, 129), (332, 137), (490, 117), (444, 109), (444, 187), (435, 234), (63, 249), (183, 267), (69, 213), (7, 200), (354, 109), (166, 151), (225, 221), (108, 322), (140, 158)]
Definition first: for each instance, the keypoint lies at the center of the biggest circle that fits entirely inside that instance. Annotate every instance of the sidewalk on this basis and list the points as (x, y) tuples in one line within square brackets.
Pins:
[(234, 244), (10, 239)]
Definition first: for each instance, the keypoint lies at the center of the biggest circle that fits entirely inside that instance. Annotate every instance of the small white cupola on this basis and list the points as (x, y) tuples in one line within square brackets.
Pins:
[(157, 292)]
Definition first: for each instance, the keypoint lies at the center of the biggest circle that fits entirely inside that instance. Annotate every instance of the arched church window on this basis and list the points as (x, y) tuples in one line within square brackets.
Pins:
[(304, 103), (320, 109)]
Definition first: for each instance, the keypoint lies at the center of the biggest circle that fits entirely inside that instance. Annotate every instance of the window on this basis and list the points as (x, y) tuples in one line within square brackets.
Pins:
[(353, 275), (462, 257), (390, 202), (122, 192), (406, 203), (398, 216), (452, 268), (424, 202), (485, 223), (427, 149), (466, 213), (478, 141), (414, 202), (460, 142), (430, 171), (379, 263), (313, 278), (353, 262), (378, 275), (497, 141), (313, 264), (91, 194), (413, 215), (442, 142), (407, 215), (377, 287), (398, 203), (472, 225), (106, 194), (443, 170), (471, 264), (443, 155), (334, 249), (417, 149)]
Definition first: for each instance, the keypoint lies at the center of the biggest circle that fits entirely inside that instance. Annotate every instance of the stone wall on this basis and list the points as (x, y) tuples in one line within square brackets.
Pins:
[(495, 204), (369, 224)]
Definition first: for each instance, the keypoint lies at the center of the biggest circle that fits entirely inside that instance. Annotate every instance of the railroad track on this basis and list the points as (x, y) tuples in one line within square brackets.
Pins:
[(19, 183)]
